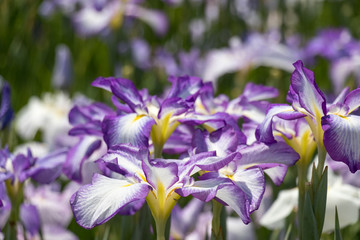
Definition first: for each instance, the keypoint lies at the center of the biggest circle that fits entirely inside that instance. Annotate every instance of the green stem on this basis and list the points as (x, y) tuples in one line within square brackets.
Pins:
[(302, 172), (217, 231), (160, 229), (321, 157)]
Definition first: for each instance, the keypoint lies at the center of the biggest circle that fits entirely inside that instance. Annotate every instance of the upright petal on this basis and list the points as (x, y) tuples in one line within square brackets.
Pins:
[(341, 139), (255, 92), (308, 94), (95, 204), (352, 100)]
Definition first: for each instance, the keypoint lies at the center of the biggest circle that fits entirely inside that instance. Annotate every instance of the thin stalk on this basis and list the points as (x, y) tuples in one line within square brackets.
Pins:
[(302, 173), (216, 232)]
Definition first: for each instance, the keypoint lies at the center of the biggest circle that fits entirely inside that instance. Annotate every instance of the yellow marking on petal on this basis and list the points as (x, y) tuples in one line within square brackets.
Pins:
[(138, 117)]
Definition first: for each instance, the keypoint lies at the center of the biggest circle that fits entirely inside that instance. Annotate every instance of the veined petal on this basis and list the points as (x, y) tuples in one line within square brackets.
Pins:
[(185, 87), (309, 95), (122, 88), (252, 183), (204, 190), (237, 200), (259, 153), (264, 133), (352, 100), (222, 141), (96, 203), (130, 128), (160, 173), (341, 139), (172, 106), (126, 159)]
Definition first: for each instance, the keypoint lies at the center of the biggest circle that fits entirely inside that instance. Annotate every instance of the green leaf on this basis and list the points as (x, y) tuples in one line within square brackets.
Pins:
[(337, 233), (320, 195), (309, 228)]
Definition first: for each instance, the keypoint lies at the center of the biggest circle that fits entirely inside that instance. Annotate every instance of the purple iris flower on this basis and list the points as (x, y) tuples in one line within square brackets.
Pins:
[(6, 112), (241, 183), (137, 177), (142, 116), (333, 124)]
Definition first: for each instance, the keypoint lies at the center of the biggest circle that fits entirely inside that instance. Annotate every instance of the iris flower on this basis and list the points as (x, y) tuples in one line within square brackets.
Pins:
[(137, 177)]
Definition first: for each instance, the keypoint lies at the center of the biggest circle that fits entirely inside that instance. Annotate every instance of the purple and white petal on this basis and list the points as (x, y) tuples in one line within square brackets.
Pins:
[(126, 160), (160, 173), (79, 153), (95, 204), (185, 87), (261, 153), (237, 200), (130, 128), (122, 88), (252, 183), (264, 133), (206, 189), (341, 139), (352, 100), (308, 93)]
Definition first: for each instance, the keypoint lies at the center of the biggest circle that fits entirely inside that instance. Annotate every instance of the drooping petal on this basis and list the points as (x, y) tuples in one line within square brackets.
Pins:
[(341, 139), (130, 128), (252, 183), (95, 204), (306, 90), (235, 199)]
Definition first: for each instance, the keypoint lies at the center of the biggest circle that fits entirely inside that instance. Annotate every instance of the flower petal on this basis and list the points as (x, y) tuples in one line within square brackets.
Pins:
[(237, 200), (79, 153), (264, 132), (341, 139), (352, 100), (130, 128), (306, 91), (252, 183), (95, 204)]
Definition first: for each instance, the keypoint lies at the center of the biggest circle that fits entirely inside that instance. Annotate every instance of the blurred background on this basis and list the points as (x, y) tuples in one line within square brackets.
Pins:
[(66, 44)]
